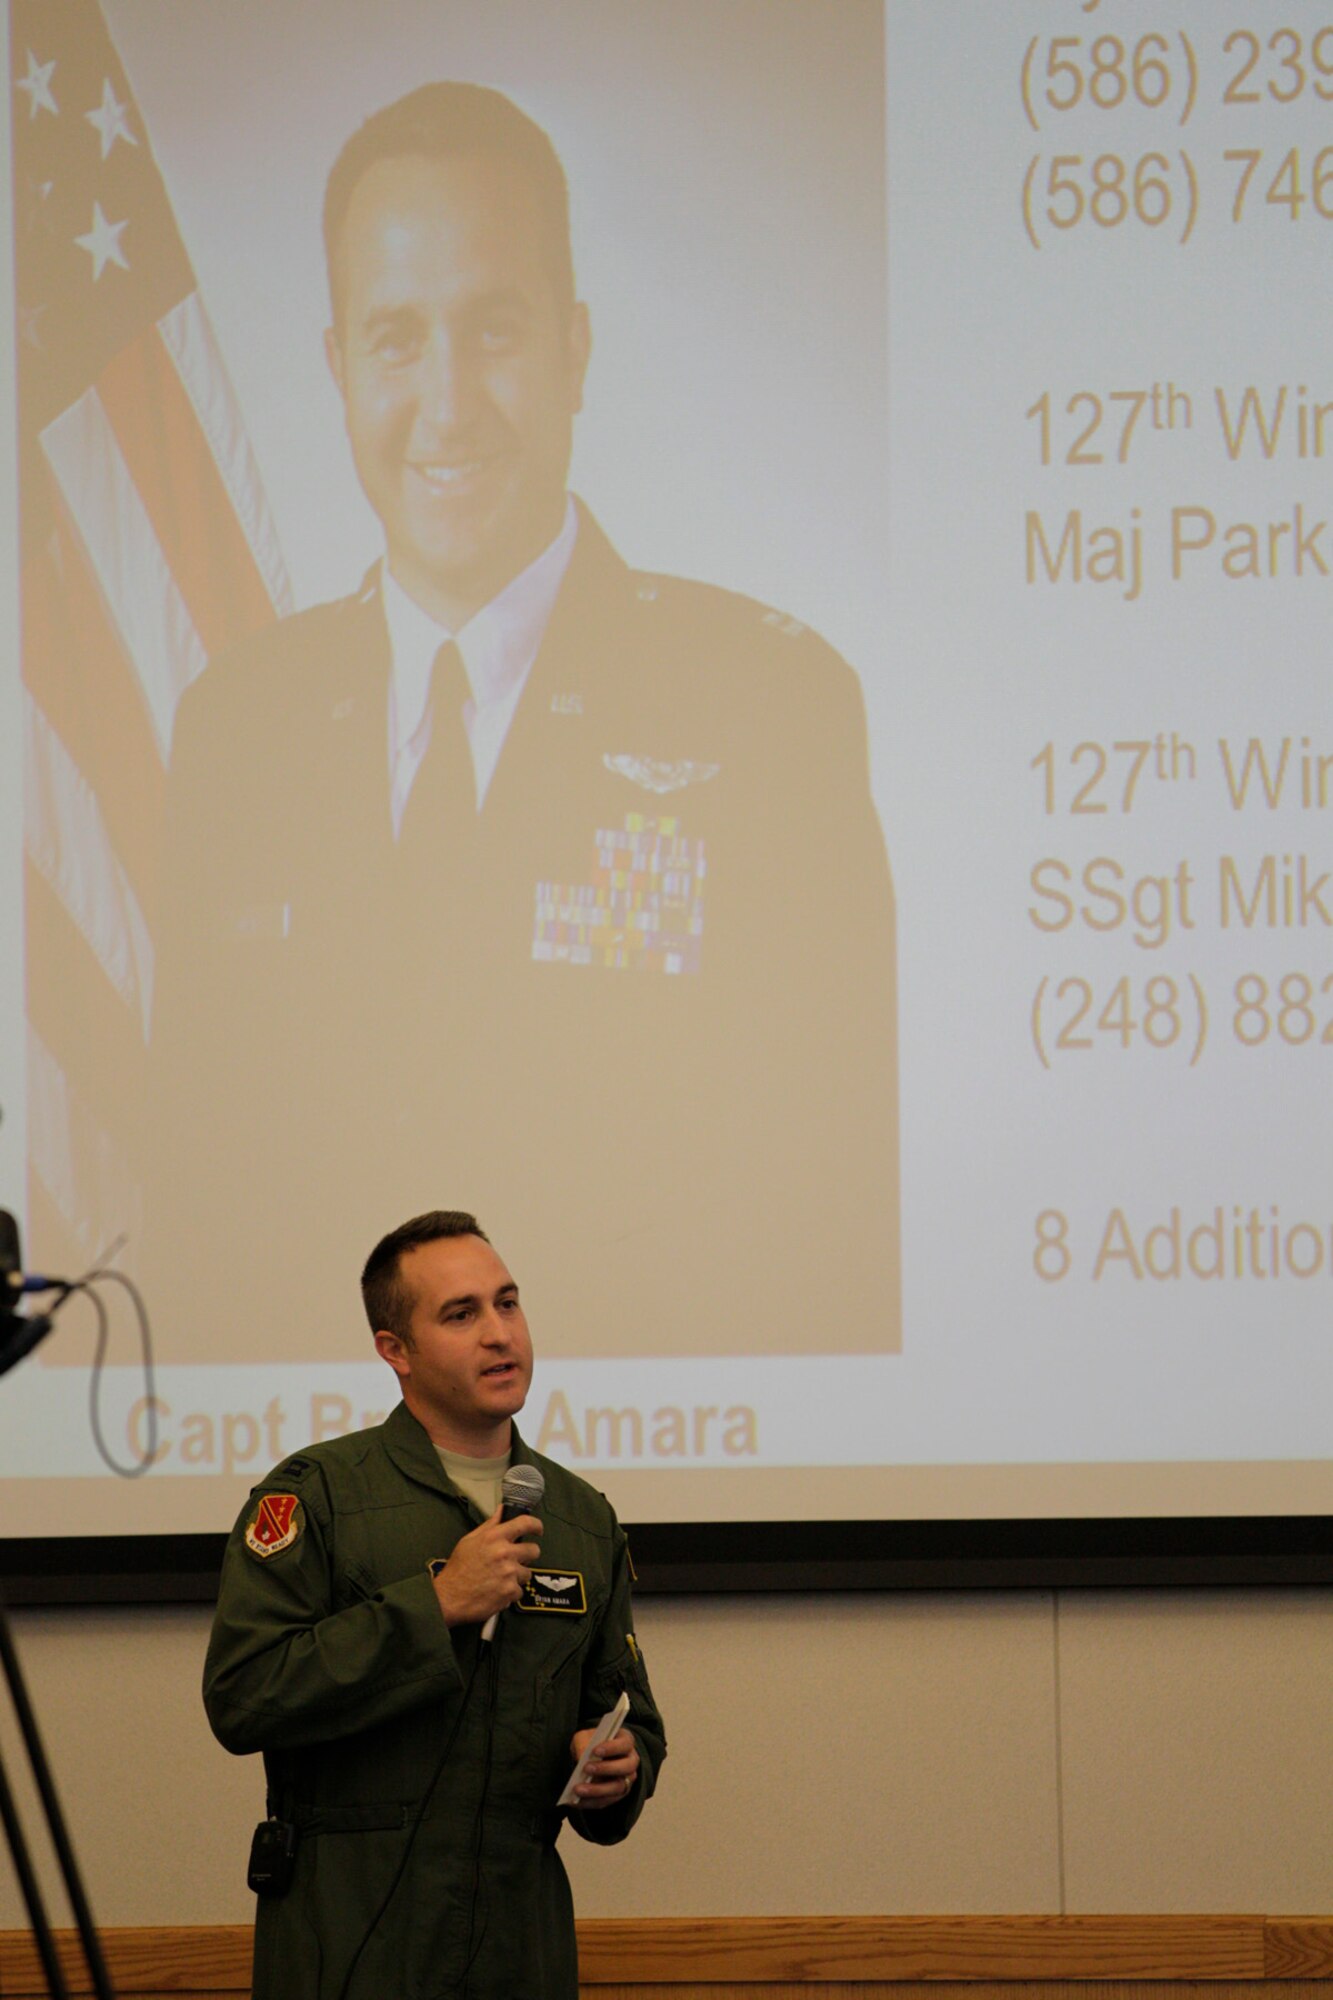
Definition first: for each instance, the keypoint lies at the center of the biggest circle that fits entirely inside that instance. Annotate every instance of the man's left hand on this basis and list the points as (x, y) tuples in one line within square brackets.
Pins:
[(613, 1769)]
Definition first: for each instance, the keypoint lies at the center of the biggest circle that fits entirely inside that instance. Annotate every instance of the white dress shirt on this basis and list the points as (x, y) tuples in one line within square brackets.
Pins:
[(498, 646)]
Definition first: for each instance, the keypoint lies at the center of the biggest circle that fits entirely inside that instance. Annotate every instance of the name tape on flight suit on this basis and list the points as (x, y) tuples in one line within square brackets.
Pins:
[(554, 1590), (549, 1590)]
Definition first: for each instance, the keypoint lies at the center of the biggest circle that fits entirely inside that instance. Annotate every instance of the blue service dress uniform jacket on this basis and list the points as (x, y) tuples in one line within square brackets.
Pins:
[(348, 1029), (329, 1654)]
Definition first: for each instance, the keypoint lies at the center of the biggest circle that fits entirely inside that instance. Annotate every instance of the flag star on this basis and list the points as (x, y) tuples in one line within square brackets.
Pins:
[(103, 243), (37, 83), (110, 120)]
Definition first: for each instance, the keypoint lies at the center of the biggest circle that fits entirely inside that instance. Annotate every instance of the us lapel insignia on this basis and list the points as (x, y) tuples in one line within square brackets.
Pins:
[(655, 776), (554, 1590), (567, 704), (275, 1525)]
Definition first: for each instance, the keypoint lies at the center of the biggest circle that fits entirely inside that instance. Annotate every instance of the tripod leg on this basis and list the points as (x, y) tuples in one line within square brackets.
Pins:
[(55, 1819), (32, 1894)]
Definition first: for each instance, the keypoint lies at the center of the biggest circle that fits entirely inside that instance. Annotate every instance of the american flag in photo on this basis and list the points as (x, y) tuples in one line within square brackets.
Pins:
[(146, 545)]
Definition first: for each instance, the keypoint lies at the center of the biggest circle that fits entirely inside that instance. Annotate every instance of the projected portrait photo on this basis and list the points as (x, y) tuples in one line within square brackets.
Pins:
[(442, 788)]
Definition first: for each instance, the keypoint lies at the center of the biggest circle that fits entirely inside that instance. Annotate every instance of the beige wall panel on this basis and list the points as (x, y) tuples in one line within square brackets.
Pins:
[(1197, 1740), (855, 1754), (159, 1815)]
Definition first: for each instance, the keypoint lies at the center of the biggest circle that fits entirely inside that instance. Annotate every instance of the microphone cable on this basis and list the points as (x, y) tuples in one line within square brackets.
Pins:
[(428, 1795), (104, 1274), (25, 1334)]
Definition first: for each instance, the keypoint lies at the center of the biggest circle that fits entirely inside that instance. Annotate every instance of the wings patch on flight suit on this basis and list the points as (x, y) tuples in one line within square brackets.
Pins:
[(642, 910), (276, 1523)]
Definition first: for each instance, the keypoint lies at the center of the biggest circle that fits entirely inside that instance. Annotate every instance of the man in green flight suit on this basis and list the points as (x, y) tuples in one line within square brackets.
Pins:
[(414, 1762)]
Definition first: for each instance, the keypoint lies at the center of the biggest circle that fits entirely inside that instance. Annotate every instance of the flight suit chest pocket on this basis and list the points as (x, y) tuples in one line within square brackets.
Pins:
[(385, 1545), (555, 1619)]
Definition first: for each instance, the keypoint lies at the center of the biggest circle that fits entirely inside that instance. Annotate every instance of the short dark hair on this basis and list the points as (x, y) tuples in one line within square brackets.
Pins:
[(387, 1299), (442, 121)]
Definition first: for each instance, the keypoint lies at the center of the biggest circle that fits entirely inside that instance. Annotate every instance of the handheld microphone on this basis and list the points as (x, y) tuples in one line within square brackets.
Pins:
[(521, 1492)]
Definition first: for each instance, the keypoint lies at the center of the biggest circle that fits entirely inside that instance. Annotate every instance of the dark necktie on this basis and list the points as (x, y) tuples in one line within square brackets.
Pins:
[(441, 810)]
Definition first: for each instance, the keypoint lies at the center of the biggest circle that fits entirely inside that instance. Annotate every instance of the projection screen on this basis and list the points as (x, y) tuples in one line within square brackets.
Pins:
[(881, 1005)]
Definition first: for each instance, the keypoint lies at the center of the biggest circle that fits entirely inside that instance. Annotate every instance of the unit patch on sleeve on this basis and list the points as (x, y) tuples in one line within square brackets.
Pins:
[(554, 1590), (275, 1524)]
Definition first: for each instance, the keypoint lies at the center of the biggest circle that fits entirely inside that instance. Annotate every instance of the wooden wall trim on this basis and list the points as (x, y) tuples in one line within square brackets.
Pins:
[(148, 1958), (804, 1949), (695, 1952), (1298, 1948)]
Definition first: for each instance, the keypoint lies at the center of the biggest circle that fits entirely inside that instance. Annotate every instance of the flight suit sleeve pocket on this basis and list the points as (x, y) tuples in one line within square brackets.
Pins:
[(623, 1672)]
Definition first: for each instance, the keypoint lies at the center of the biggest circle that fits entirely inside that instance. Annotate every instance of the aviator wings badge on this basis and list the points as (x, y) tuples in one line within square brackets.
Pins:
[(656, 776)]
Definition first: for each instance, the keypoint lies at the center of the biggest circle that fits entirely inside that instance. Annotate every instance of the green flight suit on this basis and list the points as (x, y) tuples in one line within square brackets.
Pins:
[(330, 1655)]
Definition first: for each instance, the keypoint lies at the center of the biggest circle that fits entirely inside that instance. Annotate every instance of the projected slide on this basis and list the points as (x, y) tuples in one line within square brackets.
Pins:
[(764, 729)]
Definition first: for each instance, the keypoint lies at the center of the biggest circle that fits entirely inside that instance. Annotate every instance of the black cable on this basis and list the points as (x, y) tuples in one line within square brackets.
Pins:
[(86, 1284), (476, 1909), (429, 1794)]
